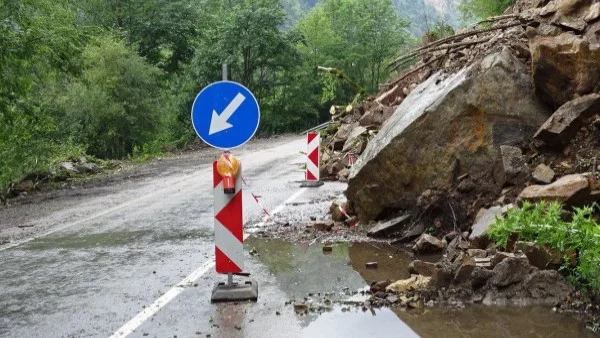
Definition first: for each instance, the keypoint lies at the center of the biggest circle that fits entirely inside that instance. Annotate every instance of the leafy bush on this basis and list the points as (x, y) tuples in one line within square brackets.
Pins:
[(542, 224)]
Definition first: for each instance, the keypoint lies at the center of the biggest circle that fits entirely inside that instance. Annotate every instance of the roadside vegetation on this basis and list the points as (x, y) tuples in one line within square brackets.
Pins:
[(116, 79), (543, 224)]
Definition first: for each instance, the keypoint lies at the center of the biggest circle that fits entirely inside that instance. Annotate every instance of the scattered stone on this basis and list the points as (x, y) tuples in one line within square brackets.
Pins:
[(336, 213), (428, 244), (392, 299), (4, 240), (464, 272), (543, 174), (415, 282), (301, 308), (371, 265), (480, 276), (515, 171), (327, 248), (354, 138), (86, 167), (511, 270), (253, 252), (342, 176), (426, 269), (323, 226), (390, 227), (380, 285), (547, 285), (570, 189), (477, 253), (538, 256), (68, 166), (500, 256), (562, 126), (26, 225), (483, 221)]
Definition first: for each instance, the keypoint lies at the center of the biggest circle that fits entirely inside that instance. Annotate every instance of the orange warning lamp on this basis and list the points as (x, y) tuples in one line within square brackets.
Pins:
[(228, 166)]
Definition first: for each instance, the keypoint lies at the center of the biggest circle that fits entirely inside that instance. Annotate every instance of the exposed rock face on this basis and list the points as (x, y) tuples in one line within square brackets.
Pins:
[(447, 127), (562, 126), (570, 189), (564, 66)]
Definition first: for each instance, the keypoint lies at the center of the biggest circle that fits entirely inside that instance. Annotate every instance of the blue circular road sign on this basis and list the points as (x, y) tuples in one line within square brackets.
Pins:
[(225, 115)]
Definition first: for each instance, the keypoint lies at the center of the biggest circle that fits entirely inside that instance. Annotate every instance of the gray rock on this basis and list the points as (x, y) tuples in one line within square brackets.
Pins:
[(340, 138), (428, 244), (389, 227), (562, 126), (419, 267), (483, 221), (547, 285), (447, 125), (86, 167), (354, 138), (68, 166), (515, 171), (543, 174), (570, 189), (511, 270)]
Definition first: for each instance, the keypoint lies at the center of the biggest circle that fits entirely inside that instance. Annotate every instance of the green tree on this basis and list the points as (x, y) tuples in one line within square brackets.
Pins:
[(115, 105)]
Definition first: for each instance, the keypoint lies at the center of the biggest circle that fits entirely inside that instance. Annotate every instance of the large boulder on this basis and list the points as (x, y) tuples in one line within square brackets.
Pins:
[(564, 66), (562, 126), (448, 126)]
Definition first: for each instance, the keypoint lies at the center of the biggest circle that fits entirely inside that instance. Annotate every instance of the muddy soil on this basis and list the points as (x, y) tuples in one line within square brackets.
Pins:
[(30, 214)]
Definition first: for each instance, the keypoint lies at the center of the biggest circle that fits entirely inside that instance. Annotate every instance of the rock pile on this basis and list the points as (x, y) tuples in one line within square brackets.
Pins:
[(487, 276), (480, 116)]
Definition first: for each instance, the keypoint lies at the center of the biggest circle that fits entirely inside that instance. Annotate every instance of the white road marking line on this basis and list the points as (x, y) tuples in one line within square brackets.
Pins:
[(151, 310)]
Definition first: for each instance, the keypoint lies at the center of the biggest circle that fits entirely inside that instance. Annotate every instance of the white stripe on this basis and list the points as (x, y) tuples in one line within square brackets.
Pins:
[(229, 244), (151, 310), (312, 168), (314, 144)]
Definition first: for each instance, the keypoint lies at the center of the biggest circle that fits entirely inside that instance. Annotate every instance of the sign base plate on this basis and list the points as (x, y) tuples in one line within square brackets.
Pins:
[(311, 184), (246, 289)]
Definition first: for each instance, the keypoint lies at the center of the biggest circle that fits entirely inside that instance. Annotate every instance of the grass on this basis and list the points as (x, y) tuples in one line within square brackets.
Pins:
[(542, 224)]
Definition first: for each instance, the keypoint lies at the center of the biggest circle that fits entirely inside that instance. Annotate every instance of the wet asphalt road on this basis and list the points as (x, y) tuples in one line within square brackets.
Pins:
[(101, 266)]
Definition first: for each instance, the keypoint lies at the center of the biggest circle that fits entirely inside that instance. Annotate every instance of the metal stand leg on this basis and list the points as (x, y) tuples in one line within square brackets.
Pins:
[(229, 279)]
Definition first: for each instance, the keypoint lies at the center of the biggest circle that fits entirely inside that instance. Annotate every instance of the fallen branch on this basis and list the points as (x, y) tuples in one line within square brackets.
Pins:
[(498, 18), (434, 45), (437, 58)]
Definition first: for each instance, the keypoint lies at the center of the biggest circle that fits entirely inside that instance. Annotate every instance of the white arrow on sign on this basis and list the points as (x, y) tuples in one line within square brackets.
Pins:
[(218, 122)]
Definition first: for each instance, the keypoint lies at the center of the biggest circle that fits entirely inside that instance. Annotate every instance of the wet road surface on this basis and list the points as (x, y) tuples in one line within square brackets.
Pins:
[(107, 260)]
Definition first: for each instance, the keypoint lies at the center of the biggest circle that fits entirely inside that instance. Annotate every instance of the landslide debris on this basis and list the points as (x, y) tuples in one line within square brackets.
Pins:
[(482, 121)]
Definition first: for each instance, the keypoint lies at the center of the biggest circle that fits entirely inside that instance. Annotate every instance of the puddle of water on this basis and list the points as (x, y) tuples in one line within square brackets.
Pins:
[(301, 269)]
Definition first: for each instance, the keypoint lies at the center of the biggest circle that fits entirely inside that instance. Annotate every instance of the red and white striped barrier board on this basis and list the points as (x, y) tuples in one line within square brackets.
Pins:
[(229, 234), (312, 164)]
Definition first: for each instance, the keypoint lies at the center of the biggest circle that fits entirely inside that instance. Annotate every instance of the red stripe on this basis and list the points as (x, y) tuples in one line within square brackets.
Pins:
[(231, 216), (311, 136), (310, 176), (216, 176), (314, 157), (224, 264)]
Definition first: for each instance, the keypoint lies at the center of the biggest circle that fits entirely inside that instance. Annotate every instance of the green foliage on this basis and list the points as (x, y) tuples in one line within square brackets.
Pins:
[(355, 36), (542, 224), (481, 9)]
